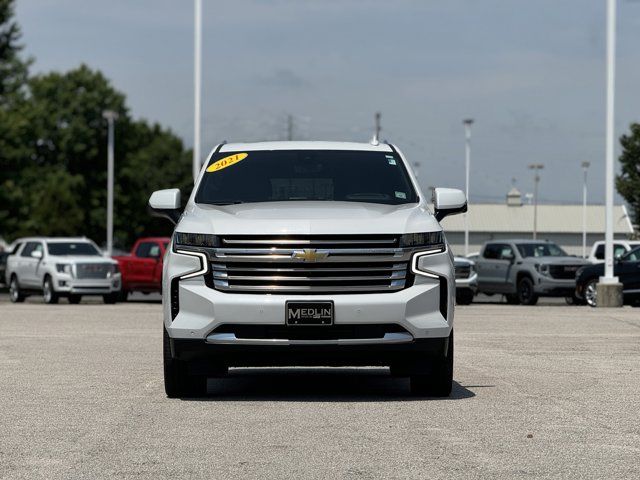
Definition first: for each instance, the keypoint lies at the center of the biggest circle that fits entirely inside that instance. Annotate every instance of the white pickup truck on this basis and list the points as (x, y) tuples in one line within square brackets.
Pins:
[(61, 267), (307, 253)]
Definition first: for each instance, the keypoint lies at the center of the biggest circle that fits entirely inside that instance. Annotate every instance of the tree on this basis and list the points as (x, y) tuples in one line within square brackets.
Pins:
[(628, 182), (64, 161), (53, 158), (13, 77), (13, 69)]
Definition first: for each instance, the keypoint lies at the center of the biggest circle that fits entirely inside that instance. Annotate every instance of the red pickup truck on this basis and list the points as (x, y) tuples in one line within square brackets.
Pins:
[(142, 268)]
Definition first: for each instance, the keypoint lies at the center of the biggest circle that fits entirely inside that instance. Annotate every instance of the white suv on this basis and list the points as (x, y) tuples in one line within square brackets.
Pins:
[(308, 253), (57, 267)]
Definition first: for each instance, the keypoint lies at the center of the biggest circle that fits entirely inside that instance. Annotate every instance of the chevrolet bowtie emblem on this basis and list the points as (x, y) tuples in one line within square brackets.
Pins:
[(309, 255)]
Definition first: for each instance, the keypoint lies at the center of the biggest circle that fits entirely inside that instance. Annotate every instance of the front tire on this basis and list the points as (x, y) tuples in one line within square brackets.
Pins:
[(15, 295), (74, 299), (591, 293), (177, 381), (526, 295), (512, 299), (49, 294), (439, 382), (110, 298), (464, 297)]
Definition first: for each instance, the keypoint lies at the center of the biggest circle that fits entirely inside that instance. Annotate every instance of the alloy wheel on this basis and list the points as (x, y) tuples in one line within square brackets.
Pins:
[(591, 293), (13, 290), (46, 291)]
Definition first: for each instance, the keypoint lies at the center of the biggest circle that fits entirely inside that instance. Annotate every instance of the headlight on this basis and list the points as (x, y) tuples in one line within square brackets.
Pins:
[(543, 269), (63, 268), (426, 240), (206, 240), (186, 243), (115, 269)]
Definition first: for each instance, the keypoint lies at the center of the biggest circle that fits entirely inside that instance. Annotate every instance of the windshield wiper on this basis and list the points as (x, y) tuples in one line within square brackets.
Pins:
[(227, 202)]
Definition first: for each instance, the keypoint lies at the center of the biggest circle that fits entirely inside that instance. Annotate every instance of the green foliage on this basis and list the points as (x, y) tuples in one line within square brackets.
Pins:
[(53, 153), (64, 161), (13, 69), (628, 182)]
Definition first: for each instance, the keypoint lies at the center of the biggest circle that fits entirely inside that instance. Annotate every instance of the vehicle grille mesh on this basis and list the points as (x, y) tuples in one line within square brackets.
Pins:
[(312, 264), (92, 270), (463, 271), (563, 272)]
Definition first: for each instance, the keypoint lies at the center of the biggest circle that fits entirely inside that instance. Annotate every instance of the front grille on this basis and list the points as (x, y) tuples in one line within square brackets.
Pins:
[(326, 332), (92, 270), (563, 272), (311, 264), (463, 271)]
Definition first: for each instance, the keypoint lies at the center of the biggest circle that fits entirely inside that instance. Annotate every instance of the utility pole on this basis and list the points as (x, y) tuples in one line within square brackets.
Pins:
[(467, 162), (378, 128), (585, 168), (609, 290), (536, 167), (111, 117), (289, 127), (197, 74)]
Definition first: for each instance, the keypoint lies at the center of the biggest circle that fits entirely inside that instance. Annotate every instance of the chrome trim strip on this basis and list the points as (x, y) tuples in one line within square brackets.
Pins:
[(231, 339), (235, 268), (290, 241), (223, 285), (282, 278)]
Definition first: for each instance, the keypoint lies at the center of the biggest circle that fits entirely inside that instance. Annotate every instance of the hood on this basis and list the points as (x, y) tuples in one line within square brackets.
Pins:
[(463, 261), (556, 260), (307, 218), (80, 259)]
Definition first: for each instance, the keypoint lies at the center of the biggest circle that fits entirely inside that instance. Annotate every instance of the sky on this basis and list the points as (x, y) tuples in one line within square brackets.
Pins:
[(531, 75)]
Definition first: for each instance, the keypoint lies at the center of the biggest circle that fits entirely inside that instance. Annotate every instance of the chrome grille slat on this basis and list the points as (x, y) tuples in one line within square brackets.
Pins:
[(281, 278), (286, 241), (344, 264), (92, 271), (395, 267), (307, 288), (290, 251)]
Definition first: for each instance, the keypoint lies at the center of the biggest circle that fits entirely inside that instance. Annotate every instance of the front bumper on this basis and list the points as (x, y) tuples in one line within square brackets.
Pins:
[(470, 283), (425, 310), (410, 357), (66, 284), (551, 287)]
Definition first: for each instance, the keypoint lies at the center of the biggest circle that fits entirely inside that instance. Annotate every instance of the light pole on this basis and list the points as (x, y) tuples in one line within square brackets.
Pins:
[(536, 167), (111, 117), (609, 290), (467, 162), (197, 67), (585, 168)]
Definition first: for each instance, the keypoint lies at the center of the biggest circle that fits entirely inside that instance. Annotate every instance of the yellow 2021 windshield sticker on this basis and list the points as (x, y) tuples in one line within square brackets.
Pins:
[(227, 162)]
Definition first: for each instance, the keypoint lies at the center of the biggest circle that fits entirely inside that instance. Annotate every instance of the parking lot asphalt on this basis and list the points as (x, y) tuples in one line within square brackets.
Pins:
[(541, 392)]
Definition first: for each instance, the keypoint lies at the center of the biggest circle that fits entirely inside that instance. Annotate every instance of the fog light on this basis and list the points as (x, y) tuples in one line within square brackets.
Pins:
[(62, 283)]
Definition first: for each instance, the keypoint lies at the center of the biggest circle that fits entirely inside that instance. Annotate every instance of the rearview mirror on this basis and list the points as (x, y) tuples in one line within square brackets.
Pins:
[(36, 254), (166, 203), (448, 201)]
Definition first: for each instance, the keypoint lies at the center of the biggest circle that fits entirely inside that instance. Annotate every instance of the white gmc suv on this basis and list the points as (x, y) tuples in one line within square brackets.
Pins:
[(61, 267), (307, 253)]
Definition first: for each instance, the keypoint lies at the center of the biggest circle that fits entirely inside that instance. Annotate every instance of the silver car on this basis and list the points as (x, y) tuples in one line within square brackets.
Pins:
[(61, 267)]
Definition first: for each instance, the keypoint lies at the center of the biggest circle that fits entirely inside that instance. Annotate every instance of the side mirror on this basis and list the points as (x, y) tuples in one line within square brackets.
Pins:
[(448, 201), (510, 258), (36, 254), (166, 203)]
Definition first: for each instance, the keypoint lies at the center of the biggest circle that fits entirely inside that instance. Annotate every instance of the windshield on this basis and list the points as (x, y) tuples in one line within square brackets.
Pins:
[(299, 175), (632, 256), (71, 248), (540, 250)]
